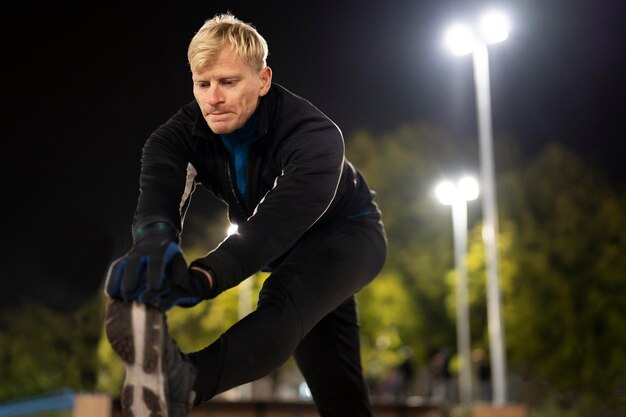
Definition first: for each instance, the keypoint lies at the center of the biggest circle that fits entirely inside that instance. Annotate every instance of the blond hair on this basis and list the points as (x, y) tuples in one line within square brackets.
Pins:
[(227, 29)]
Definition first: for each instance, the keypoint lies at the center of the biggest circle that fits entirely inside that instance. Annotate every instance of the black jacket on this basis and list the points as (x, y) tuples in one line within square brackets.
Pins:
[(297, 178)]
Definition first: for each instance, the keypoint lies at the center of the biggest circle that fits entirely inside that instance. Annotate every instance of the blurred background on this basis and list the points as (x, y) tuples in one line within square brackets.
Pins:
[(85, 85)]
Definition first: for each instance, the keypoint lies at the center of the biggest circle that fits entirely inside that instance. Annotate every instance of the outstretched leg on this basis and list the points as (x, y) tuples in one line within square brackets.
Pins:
[(325, 268)]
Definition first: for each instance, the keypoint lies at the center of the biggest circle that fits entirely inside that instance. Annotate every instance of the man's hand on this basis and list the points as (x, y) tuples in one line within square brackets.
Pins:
[(145, 265), (155, 272), (183, 286)]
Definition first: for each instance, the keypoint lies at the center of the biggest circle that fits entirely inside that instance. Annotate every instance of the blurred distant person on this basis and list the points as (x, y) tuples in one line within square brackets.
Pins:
[(304, 213), (407, 373), (440, 377), (483, 374)]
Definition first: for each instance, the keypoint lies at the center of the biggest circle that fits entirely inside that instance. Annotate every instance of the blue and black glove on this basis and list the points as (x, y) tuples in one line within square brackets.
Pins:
[(154, 272)]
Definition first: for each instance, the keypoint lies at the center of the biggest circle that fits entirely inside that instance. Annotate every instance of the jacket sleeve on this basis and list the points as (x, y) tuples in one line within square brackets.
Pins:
[(166, 178), (312, 162)]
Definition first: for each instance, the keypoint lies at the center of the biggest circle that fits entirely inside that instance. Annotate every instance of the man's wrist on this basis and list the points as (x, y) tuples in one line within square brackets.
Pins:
[(206, 274), (156, 230)]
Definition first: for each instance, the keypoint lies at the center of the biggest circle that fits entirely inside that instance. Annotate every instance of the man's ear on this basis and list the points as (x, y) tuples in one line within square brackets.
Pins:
[(266, 80)]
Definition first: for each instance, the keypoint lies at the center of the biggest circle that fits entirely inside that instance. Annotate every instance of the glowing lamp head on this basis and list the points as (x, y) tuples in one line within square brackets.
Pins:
[(460, 39), (494, 27), (445, 192), (466, 189)]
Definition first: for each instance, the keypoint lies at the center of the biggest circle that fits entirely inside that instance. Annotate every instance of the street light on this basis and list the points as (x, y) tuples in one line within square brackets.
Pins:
[(457, 195), (463, 40)]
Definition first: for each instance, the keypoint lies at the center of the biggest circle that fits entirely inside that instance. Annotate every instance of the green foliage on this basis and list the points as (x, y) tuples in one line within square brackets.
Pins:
[(388, 324), (110, 368), (564, 311), (43, 350)]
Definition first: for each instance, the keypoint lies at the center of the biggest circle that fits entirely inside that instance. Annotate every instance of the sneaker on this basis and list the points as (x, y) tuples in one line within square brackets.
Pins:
[(159, 377)]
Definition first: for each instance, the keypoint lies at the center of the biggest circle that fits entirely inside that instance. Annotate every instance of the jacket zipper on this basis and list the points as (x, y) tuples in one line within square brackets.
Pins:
[(233, 189)]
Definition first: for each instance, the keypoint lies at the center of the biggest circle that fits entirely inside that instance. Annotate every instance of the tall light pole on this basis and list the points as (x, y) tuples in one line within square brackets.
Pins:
[(457, 195), (463, 40)]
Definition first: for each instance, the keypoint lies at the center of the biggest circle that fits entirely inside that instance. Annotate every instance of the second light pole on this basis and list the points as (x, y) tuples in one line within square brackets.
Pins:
[(457, 195)]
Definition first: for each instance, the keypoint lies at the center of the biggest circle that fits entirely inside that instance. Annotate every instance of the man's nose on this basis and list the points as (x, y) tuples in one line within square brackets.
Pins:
[(214, 96)]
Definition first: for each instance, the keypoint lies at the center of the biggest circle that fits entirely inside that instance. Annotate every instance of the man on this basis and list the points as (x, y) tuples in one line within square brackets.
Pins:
[(304, 213)]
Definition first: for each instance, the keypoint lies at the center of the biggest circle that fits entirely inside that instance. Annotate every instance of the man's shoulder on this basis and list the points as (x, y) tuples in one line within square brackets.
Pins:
[(291, 106), (190, 108), (186, 113), (279, 89), (279, 92), (190, 118)]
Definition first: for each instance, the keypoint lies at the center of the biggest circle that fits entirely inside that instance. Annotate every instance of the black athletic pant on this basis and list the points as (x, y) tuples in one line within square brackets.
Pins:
[(307, 309)]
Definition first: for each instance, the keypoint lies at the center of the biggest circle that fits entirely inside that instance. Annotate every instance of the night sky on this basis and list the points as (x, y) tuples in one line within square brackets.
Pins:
[(83, 87)]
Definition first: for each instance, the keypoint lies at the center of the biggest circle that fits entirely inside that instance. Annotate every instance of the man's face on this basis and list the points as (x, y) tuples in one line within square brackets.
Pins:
[(228, 91)]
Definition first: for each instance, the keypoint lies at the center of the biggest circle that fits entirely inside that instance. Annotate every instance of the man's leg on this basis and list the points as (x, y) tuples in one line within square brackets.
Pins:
[(330, 360), (325, 268)]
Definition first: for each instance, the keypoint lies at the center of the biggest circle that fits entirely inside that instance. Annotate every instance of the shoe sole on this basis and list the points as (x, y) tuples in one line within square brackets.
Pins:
[(136, 334)]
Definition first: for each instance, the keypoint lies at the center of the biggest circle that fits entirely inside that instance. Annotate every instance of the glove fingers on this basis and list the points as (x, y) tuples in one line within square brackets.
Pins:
[(161, 285), (133, 281), (181, 294), (169, 298), (176, 298), (112, 285), (158, 275), (172, 251), (152, 298), (177, 269)]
